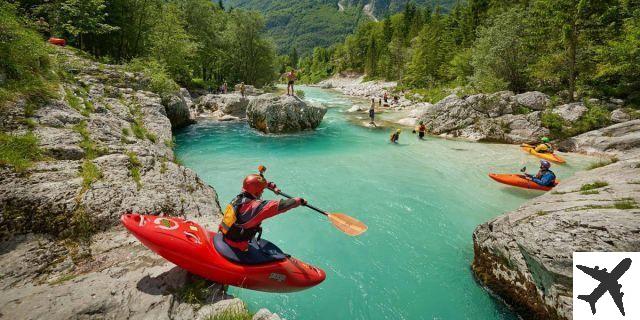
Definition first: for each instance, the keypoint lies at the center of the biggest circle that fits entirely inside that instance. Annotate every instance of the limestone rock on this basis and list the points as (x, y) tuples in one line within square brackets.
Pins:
[(409, 122), (47, 268), (619, 115), (177, 107), (616, 139), (229, 104), (525, 256), (357, 108), (264, 314), (270, 113), (533, 100), (571, 112), (482, 117)]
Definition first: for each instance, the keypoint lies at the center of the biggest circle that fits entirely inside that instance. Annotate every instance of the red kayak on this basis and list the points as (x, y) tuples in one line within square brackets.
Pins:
[(518, 180), (264, 267), (57, 41)]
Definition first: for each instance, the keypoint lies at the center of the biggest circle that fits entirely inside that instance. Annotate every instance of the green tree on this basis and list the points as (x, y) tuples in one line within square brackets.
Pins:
[(170, 44), (500, 54)]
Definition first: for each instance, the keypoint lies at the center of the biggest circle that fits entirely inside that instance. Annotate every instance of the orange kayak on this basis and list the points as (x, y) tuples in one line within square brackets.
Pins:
[(57, 41), (518, 180), (547, 156)]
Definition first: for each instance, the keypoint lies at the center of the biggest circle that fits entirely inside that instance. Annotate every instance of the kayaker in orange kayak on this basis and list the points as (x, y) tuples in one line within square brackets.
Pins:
[(545, 146), (544, 177), (243, 216)]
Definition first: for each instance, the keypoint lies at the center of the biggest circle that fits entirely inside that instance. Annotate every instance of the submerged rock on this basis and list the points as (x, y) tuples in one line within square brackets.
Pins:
[(270, 113)]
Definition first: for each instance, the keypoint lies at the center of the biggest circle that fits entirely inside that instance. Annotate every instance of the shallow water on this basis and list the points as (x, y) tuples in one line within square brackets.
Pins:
[(420, 199)]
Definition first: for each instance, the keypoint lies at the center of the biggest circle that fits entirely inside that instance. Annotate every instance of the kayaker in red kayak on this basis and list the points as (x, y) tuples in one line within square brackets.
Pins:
[(243, 216), (544, 177)]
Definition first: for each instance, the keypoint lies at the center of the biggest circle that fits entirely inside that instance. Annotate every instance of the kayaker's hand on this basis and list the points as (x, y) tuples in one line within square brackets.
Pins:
[(272, 186), (301, 201)]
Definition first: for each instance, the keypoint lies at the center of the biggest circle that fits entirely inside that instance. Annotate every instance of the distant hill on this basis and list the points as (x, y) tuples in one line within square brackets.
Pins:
[(305, 24)]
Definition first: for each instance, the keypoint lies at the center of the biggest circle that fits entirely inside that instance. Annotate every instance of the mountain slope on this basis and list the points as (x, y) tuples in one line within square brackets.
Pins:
[(305, 24)]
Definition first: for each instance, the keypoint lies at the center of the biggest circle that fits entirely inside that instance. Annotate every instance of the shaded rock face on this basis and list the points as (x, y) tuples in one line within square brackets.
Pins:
[(216, 106), (619, 115), (483, 117), (270, 113), (60, 234), (178, 108), (525, 256), (533, 100)]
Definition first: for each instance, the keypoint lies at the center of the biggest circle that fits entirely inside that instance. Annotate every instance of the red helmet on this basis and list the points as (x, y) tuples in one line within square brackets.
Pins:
[(254, 184)]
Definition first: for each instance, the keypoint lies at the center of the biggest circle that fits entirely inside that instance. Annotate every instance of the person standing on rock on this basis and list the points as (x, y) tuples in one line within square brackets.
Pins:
[(224, 87), (291, 76), (386, 97), (242, 88), (244, 215), (545, 177), (372, 112)]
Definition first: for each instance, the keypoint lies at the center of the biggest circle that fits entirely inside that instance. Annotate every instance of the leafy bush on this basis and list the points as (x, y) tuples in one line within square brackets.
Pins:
[(89, 173), (554, 122), (602, 163), (232, 314), (134, 168), (159, 80), (24, 60), (19, 151), (592, 186)]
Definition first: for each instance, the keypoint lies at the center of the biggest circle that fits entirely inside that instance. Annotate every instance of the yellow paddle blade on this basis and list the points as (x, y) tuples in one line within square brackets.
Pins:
[(347, 224)]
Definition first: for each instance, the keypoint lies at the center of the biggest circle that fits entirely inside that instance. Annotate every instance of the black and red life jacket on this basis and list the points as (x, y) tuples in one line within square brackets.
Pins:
[(234, 220)]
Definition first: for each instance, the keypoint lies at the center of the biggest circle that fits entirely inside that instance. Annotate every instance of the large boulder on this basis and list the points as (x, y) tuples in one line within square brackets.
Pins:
[(621, 137), (482, 117), (525, 256), (270, 113), (620, 115), (177, 106), (533, 100), (571, 112), (228, 104)]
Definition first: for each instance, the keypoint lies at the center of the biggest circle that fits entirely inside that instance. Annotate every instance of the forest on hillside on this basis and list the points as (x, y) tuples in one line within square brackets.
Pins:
[(193, 43), (567, 48)]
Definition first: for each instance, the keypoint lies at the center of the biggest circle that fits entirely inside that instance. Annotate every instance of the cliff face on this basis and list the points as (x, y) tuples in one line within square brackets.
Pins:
[(107, 148), (525, 256)]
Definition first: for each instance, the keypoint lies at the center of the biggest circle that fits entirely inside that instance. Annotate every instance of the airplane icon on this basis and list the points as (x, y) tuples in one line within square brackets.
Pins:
[(608, 282)]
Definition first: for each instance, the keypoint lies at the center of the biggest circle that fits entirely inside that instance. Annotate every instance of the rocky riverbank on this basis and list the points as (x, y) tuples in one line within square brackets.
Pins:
[(106, 147), (525, 256)]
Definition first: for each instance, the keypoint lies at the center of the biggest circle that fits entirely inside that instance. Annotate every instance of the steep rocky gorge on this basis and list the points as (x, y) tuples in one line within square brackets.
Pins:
[(525, 256), (106, 145)]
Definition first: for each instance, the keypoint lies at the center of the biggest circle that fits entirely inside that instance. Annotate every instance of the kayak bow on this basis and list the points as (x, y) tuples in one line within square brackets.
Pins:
[(192, 248)]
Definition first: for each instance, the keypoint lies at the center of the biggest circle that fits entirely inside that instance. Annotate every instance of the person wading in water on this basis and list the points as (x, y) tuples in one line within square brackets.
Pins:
[(372, 112)]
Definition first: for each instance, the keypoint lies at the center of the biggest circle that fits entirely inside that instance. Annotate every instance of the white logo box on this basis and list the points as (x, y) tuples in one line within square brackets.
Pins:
[(585, 285)]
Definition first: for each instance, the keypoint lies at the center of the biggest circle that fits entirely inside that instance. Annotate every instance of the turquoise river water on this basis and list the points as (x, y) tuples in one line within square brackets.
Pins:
[(420, 199)]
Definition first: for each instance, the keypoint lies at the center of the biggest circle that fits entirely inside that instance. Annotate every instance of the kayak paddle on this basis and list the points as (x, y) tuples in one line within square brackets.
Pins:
[(341, 221)]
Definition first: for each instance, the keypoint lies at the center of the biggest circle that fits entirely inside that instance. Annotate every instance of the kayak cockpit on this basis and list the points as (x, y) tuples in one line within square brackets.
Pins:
[(260, 252)]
